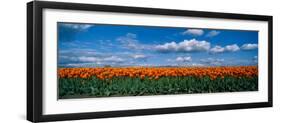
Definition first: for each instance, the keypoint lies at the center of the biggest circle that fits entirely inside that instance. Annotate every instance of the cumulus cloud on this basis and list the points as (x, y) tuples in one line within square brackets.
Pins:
[(193, 32), (227, 48), (217, 49), (249, 46), (192, 45), (167, 47), (79, 27), (232, 48), (184, 59), (212, 33)]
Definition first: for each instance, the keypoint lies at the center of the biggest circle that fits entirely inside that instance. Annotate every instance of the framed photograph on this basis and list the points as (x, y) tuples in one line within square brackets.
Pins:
[(96, 61)]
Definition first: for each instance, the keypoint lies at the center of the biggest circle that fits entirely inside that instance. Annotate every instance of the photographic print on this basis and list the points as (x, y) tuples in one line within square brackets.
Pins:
[(105, 60), (87, 61)]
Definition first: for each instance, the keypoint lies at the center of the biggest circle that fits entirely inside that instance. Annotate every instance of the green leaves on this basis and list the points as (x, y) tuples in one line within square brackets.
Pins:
[(125, 86)]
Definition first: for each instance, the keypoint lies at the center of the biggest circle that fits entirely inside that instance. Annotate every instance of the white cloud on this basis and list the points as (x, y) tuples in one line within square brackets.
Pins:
[(139, 56), (100, 59), (213, 33), (88, 59), (80, 27), (129, 41), (227, 48), (80, 65), (167, 47), (232, 48), (217, 49), (249, 46), (113, 59), (197, 64), (76, 52), (75, 56), (192, 45), (193, 32), (184, 59)]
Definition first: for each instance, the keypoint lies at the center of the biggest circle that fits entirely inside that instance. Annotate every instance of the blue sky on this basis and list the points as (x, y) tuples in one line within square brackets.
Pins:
[(97, 45)]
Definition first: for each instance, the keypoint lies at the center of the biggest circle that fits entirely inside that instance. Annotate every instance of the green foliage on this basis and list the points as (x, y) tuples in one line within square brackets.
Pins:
[(126, 86)]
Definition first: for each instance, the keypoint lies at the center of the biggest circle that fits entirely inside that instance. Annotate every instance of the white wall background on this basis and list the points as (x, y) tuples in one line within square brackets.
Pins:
[(13, 61)]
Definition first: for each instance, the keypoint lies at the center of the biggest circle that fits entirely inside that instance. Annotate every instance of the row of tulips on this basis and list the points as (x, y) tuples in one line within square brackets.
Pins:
[(156, 73)]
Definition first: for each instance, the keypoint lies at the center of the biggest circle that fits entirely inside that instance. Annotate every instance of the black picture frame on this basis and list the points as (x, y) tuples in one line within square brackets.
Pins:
[(35, 69)]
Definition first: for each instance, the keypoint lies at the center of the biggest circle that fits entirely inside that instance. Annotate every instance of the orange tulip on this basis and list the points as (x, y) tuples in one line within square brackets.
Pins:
[(156, 73)]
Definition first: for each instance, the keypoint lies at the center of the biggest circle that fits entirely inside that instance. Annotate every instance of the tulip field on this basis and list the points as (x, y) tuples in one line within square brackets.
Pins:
[(138, 81)]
